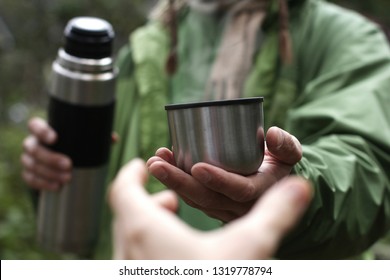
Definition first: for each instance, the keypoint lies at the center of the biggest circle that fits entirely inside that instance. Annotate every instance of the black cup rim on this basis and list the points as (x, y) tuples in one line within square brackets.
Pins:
[(237, 101)]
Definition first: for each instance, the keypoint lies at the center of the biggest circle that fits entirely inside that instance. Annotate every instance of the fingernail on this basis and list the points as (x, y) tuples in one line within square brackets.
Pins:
[(280, 139)]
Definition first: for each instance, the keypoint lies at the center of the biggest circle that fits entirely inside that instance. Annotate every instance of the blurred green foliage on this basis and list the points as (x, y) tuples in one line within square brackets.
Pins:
[(28, 44), (30, 35), (36, 27), (15, 207), (17, 227)]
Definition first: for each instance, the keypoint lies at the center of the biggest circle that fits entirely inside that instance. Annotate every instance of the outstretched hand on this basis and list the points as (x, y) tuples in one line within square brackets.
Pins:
[(145, 226), (221, 194)]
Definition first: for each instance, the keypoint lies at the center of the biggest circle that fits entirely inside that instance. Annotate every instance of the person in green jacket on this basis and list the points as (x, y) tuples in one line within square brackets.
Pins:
[(324, 73)]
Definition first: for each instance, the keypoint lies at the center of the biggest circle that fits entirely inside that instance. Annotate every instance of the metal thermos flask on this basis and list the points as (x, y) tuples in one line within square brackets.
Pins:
[(81, 108)]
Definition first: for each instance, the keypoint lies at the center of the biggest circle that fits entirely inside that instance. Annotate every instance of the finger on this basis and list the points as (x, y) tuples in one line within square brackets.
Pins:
[(273, 216), (140, 223), (40, 129), (45, 156), (281, 206), (162, 154), (283, 146), (280, 210), (165, 154), (236, 187), (44, 171), (39, 183), (153, 160), (124, 194), (188, 188), (167, 199)]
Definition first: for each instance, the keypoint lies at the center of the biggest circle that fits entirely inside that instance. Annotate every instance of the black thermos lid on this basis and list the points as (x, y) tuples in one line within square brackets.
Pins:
[(89, 37)]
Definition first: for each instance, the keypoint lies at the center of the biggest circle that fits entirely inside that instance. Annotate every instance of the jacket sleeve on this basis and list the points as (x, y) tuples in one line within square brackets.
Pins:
[(140, 118), (342, 118), (126, 120)]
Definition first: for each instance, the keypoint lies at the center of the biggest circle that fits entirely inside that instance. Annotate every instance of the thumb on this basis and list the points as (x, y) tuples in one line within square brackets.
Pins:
[(283, 146), (279, 210), (126, 190), (257, 235), (282, 205)]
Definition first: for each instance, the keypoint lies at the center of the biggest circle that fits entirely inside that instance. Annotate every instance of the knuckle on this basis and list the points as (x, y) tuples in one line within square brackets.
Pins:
[(27, 162), (51, 160), (32, 147), (27, 143), (247, 193), (51, 174), (32, 180), (43, 171), (40, 177), (36, 126), (31, 123)]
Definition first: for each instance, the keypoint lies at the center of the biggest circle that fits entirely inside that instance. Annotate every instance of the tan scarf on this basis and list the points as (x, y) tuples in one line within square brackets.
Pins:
[(237, 48)]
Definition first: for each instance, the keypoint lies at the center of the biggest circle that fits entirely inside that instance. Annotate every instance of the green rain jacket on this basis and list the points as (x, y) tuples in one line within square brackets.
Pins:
[(334, 97)]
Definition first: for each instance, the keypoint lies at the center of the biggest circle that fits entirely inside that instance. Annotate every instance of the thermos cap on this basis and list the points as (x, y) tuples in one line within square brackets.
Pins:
[(89, 37)]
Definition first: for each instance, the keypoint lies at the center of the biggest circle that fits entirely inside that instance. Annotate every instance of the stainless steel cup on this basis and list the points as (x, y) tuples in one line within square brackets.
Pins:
[(227, 133)]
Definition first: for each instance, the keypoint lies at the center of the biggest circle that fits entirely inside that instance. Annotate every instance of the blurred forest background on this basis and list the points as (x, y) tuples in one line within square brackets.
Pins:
[(30, 35)]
